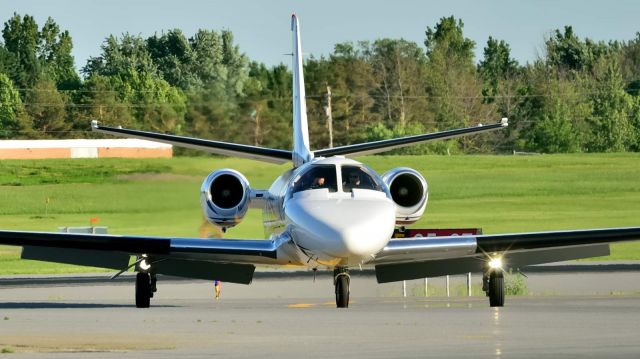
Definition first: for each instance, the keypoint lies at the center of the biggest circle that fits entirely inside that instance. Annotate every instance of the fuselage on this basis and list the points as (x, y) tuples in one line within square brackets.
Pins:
[(337, 212)]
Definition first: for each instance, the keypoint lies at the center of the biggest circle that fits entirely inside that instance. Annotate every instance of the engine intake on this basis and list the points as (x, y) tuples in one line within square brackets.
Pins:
[(225, 197), (409, 191)]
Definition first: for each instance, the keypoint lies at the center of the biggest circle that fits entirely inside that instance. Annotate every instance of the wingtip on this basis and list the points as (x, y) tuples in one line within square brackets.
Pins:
[(504, 122), (94, 124)]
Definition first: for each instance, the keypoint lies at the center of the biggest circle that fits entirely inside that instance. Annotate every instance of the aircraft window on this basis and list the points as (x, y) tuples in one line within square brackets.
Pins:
[(318, 177), (357, 177)]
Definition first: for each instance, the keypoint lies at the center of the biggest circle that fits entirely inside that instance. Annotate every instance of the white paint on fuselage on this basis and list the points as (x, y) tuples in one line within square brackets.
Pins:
[(330, 228)]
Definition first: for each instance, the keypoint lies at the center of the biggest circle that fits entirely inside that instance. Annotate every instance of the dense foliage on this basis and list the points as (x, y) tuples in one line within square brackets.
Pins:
[(578, 96)]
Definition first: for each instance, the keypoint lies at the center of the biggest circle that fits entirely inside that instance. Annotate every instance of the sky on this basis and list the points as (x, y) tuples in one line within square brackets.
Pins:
[(262, 28)]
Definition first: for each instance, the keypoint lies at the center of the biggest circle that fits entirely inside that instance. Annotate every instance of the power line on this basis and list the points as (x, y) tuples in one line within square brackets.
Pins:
[(584, 94)]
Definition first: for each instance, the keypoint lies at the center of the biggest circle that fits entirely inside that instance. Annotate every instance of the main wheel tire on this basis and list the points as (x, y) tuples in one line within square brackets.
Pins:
[(143, 290), (342, 291), (496, 289)]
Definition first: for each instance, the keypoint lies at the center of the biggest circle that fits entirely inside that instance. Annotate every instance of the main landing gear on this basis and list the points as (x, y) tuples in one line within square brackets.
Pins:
[(145, 287), (493, 285), (341, 280)]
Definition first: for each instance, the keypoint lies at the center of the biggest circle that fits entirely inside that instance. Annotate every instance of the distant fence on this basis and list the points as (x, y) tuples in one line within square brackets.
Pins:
[(37, 149)]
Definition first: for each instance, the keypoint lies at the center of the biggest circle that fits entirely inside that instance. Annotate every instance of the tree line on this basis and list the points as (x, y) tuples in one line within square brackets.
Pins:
[(579, 95)]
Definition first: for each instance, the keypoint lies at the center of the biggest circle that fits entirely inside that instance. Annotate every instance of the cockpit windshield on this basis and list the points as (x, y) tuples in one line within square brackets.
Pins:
[(358, 177), (318, 177)]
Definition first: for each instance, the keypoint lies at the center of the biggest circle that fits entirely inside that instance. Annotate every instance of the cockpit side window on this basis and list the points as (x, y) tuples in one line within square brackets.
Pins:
[(317, 177), (358, 177)]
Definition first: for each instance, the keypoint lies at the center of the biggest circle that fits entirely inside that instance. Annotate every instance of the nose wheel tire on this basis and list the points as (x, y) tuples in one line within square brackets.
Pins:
[(496, 288), (143, 290), (342, 291)]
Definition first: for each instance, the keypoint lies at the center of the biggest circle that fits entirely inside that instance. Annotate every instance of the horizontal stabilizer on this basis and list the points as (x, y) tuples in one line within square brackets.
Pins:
[(370, 148), (221, 148)]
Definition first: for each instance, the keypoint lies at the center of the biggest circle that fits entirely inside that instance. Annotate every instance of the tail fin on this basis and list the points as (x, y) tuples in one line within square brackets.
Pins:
[(301, 151)]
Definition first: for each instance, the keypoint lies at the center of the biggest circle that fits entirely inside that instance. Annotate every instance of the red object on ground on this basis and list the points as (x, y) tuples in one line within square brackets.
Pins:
[(435, 232)]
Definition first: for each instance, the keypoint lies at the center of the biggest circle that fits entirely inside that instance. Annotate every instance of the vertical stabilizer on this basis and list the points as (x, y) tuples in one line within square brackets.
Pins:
[(301, 150)]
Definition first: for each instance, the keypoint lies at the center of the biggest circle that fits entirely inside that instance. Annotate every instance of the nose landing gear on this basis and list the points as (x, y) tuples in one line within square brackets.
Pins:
[(341, 281)]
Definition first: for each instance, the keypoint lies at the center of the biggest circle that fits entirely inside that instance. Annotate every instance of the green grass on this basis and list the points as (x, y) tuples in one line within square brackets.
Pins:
[(497, 193), (54, 171)]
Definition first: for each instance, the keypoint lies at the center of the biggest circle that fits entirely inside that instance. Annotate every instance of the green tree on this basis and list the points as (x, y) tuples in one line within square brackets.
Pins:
[(209, 115), (156, 105), (566, 52), (502, 86), (101, 99), (21, 39), (630, 65), (349, 79), (209, 58), (31, 54), (379, 131), (8, 63), (453, 86), (398, 67), (496, 67), (635, 122), (265, 112), (548, 103), (611, 130), (11, 109), (447, 40), (554, 132), (317, 78), (352, 78), (235, 62), (259, 120), (46, 109), (172, 54), (54, 53), (121, 57)]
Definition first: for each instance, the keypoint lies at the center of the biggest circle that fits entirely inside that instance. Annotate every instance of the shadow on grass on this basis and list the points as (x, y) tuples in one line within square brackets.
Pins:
[(48, 305)]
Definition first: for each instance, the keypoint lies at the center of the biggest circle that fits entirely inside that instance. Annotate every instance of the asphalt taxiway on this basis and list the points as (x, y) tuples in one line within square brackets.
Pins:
[(280, 317)]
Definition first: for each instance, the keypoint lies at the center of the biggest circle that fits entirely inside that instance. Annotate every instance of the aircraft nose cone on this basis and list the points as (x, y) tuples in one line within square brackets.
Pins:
[(344, 227)]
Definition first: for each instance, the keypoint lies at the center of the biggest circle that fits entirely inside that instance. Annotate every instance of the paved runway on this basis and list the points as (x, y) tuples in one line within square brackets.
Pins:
[(275, 318)]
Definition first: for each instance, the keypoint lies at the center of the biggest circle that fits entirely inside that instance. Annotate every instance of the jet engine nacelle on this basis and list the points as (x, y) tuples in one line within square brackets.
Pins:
[(225, 197), (409, 191)]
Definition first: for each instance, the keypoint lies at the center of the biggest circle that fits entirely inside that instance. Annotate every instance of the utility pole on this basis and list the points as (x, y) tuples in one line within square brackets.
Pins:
[(255, 116), (327, 111)]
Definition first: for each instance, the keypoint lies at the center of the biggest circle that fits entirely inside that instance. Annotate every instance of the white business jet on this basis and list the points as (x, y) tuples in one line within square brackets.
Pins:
[(326, 212)]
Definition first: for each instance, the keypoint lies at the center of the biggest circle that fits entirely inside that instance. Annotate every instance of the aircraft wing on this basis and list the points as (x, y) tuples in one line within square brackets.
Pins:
[(224, 259), (221, 148), (421, 257), (370, 148)]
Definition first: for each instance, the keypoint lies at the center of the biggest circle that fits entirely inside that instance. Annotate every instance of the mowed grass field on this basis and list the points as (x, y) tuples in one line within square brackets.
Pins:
[(161, 196)]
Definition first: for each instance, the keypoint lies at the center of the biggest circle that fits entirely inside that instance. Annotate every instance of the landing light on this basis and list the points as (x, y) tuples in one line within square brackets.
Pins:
[(495, 263)]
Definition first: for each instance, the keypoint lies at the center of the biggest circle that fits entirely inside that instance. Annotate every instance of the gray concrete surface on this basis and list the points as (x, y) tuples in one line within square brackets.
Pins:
[(568, 315)]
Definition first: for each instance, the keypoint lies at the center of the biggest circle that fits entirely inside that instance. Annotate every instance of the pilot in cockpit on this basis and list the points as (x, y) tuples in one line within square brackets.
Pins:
[(353, 181), (318, 182)]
